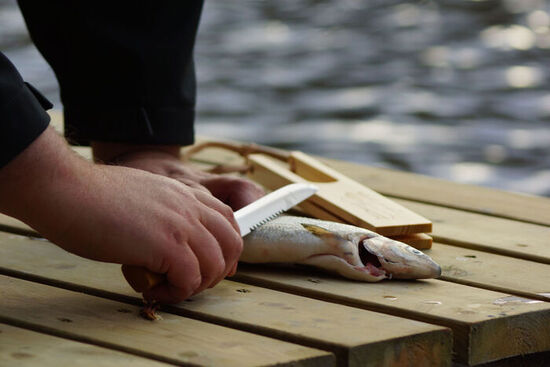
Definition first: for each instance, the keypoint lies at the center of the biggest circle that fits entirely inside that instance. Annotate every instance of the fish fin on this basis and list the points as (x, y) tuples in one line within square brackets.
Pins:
[(320, 231)]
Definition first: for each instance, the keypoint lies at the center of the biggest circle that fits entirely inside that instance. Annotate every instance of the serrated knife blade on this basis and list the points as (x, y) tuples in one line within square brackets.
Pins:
[(271, 205)]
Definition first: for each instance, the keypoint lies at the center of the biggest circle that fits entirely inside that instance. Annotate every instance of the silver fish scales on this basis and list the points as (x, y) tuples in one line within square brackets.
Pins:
[(350, 251)]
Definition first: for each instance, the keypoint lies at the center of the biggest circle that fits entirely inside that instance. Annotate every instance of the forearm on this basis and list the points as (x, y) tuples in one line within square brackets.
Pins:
[(40, 171)]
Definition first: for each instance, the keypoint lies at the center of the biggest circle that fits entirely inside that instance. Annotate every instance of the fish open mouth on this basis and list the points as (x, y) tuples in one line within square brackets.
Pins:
[(370, 260)]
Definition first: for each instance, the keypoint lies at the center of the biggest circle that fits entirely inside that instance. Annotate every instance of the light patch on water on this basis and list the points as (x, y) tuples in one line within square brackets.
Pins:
[(495, 153), (471, 172), (437, 56), (406, 15), (520, 138), (355, 97), (513, 37), (276, 32), (523, 76), (385, 132), (539, 21), (544, 106), (521, 6), (372, 130), (543, 40), (258, 37), (467, 58), (399, 133)]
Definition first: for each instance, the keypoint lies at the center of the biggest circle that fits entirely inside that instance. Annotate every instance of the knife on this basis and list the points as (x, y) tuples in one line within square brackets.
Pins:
[(248, 218)]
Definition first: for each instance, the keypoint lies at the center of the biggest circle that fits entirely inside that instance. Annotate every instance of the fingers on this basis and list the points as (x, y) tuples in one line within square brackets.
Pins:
[(211, 258), (235, 192), (194, 184), (230, 241), (233, 270), (209, 252), (183, 277), (218, 206)]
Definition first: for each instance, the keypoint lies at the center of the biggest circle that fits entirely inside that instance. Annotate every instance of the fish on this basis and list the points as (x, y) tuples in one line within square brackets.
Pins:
[(352, 252)]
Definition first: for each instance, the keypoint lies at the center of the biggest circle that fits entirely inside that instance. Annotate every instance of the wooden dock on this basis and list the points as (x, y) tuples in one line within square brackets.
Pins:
[(491, 306)]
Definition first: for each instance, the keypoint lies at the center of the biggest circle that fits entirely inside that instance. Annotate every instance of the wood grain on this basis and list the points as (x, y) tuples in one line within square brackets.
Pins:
[(116, 325), (284, 316), (486, 233), (486, 325), (522, 207), (25, 348), (491, 271)]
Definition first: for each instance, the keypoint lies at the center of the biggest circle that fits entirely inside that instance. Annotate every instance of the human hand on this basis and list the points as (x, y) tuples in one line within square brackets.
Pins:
[(164, 160), (123, 215)]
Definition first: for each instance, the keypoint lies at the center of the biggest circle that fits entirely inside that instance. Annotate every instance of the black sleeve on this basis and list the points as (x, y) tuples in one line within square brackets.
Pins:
[(125, 68), (22, 112)]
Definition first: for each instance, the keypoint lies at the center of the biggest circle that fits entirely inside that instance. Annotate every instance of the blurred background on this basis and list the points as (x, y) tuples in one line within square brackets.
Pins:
[(456, 89)]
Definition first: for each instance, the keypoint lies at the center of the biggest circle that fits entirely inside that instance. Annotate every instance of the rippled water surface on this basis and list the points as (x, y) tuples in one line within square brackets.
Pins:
[(455, 89)]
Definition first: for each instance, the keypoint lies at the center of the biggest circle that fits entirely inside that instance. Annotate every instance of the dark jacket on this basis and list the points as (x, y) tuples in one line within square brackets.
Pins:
[(125, 70)]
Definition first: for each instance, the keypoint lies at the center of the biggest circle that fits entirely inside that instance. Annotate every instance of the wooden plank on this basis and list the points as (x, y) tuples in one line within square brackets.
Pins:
[(486, 233), (12, 225), (284, 316), (25, 348), (491, 271), (419, 241), (522, 207), (484, 327), (116, 325), (420, 188)]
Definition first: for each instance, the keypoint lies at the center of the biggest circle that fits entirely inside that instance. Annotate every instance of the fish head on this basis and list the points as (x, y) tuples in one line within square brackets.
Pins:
[(368, 256), (341, 255), (397, 259)]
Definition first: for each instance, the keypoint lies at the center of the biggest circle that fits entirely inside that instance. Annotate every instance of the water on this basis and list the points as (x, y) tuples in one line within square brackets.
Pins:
[(456, 89)]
